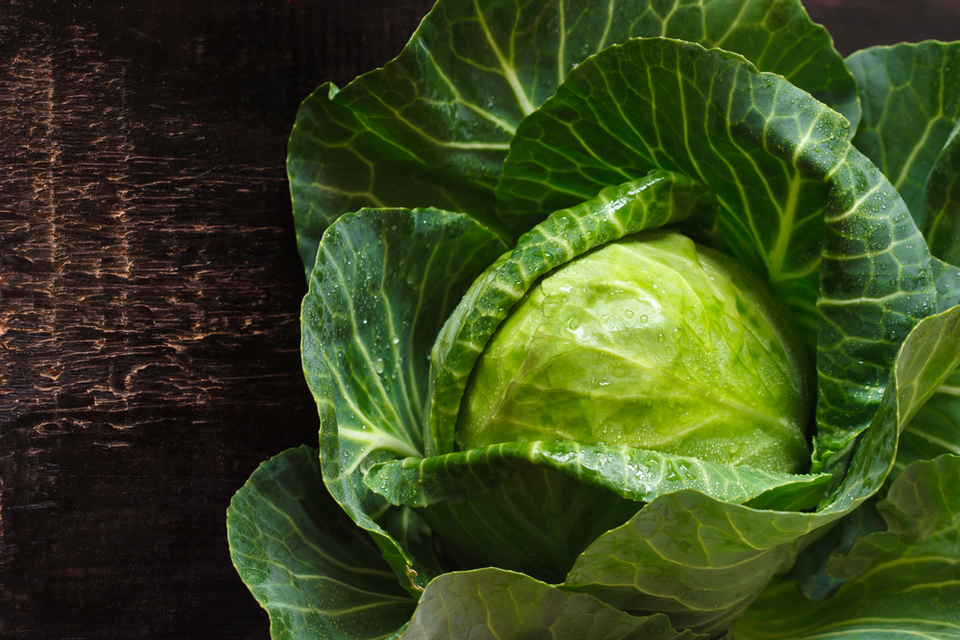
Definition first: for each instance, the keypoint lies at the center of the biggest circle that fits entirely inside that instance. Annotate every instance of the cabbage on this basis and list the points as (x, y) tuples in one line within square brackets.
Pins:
[(626, 319)]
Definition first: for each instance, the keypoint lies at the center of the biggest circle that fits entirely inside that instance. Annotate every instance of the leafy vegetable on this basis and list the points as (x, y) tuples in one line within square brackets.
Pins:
[(671, 351), (623, 322)]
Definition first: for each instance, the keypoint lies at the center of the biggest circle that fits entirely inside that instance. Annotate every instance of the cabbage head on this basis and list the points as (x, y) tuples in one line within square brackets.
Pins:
[(632, 319)]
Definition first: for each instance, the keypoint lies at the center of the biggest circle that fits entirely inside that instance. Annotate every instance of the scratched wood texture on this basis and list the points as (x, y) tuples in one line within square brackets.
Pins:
[(149, 287)]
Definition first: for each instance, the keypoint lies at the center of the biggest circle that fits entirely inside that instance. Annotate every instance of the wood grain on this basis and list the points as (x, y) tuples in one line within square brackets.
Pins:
[(150, 288), (149, 298)]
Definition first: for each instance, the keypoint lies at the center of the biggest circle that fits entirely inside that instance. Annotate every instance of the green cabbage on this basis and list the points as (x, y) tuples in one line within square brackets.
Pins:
[(670, 349), (626, 319)]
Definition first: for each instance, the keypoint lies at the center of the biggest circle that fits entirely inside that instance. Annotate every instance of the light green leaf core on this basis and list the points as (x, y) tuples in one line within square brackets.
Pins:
[(662, 351)]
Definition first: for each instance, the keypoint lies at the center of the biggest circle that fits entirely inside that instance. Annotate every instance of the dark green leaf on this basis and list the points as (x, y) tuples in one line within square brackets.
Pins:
[(942, 201), (383, 283), (876, 281), (933, 430), (317, 575), (810, 570), (926, 361), (777, 36), (767, 148), (910, 94), (947, 277), (913, 508), (702, 561), (924, 499), (696, 559), (433, 126), (537, 521), (340, 160), (534, 507)]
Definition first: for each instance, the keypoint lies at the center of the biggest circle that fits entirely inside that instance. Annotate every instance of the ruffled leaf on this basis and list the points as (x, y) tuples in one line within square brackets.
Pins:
[(383, 283), (317, 575), (432, 127), (910, 94), (636, 474), (942, 201), (947, 278)]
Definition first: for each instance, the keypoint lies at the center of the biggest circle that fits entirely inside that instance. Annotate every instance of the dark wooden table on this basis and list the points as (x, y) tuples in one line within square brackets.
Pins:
[(150, 287)]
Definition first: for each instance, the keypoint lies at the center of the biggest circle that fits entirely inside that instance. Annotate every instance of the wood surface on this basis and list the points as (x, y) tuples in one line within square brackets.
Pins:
[(150, 287)]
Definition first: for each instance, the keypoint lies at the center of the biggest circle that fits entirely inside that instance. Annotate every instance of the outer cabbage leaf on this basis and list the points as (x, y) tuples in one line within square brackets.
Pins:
[(911, 98), (942, 201), (489, 604), (777, 36), (636, 474), (317, 574), (947, 277), (339, 162), (936, 428), (702, 562), (534, 507), (322, 578), (383, 283), (924, 499), (910, 95), (431, 128), (927, 361), (914, 508), (912, 586)]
